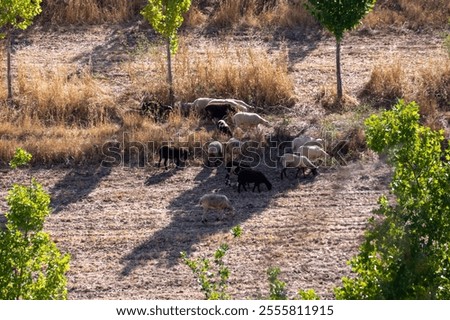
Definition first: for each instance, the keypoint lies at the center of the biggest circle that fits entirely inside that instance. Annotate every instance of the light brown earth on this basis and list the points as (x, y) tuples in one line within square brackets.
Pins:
[(125, 227)]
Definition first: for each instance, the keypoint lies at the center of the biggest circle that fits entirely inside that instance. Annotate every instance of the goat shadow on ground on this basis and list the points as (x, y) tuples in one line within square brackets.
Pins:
[(159, 177), (75, 185), (186, 230)]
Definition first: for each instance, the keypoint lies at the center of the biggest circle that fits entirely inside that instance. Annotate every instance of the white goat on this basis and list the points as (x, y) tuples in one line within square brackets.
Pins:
[(215, 201), (305, 140), (200, 104), (312, 152), (238, 106), (215, 150), (248, 120), (289, 160)]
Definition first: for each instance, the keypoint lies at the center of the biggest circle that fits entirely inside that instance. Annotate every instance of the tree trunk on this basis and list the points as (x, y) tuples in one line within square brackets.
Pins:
[(169, 74), (8, 64), (338, 70)]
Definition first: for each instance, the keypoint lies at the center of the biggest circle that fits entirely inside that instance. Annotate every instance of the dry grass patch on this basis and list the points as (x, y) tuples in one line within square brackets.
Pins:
[(90, 11), (327, 98), (386, 84), (232, 14), (64, 95), (412, 14), (428, 85), (250, 74)]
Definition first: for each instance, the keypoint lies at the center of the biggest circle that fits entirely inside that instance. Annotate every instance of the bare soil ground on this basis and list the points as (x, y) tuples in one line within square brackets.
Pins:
[(125, 227)]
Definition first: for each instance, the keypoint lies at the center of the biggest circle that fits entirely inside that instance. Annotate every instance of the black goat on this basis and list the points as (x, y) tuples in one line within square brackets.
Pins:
[(233, 167), (218, 111), (156, 110), (246, 176), (174, 153)]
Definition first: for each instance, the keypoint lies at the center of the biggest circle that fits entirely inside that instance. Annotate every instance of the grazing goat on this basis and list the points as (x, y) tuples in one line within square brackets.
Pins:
[(233, 167), (174, 153), (215, 150), (248, 120), (289, 160), (200, 104), (246, 176), (218, 111), (312, 152), (224, 128), (239, 105), (305, 140), (156, 110), (215, 201)]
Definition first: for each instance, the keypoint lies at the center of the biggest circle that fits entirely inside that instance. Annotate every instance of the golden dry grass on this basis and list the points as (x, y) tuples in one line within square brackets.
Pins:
[(62, 95), (428, 85), (411, 14), (235, 14), (90, 11), (250, 74)]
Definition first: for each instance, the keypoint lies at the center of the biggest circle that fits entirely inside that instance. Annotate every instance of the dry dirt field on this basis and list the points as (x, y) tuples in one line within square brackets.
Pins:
[(125, 227)]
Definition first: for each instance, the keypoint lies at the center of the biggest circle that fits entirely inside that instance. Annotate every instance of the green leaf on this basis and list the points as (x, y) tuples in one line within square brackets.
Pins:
[(165, 17)]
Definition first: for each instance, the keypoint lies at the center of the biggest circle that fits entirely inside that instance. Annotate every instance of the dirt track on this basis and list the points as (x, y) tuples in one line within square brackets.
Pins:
[(126, 227)]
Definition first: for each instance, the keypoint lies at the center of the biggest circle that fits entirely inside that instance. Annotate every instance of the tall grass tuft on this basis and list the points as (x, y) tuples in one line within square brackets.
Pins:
[(64, 96), (428, 85), (90, 11), (411, 14), (250, 74)]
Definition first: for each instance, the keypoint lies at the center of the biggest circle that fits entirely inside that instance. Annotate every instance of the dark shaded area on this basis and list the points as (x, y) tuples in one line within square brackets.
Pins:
[(117, 49), (186, 230), (76, 185)]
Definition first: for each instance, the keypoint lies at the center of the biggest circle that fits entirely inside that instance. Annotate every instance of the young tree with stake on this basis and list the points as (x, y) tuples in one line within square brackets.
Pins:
[(166, 16), (339, 16), (15, 14)]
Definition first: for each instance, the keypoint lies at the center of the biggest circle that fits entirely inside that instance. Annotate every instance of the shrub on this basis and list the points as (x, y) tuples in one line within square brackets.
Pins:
[(405, 253), (31, 266)]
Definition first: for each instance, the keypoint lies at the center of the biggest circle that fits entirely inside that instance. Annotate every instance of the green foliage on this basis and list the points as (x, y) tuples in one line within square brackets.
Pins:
[(28, 207), (166, 16), (18, 14), (405, 254), (308, 295), (277, 288), (20, 158), (31, 266), (339, 16), (213, 283), (236, 231)]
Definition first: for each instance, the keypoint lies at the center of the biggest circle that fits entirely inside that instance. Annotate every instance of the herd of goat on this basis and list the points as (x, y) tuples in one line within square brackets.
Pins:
[(303, 153)]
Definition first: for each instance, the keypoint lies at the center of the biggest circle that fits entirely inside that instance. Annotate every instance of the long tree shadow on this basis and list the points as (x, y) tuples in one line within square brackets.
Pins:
[(186, 230), (117, 49), (75, 185)]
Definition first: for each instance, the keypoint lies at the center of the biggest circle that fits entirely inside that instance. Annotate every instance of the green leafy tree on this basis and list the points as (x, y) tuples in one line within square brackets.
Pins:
[(165, 17), (31, 266), (406, 252), (339, 16), (15, 14)]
